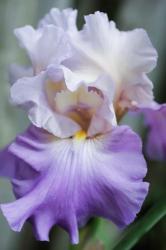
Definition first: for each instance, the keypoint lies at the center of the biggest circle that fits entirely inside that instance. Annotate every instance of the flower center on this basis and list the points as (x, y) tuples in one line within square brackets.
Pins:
[(79, 105), (80, 135)]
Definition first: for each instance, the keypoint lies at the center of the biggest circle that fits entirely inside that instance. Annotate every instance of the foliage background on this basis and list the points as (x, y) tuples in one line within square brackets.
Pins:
[(128, 14)]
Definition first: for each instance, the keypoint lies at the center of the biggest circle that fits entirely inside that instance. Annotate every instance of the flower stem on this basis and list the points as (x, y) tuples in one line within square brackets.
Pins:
[(132, 236)]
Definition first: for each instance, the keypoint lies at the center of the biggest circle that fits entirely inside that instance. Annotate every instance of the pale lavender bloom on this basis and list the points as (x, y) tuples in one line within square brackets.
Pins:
[(82, 168), (75, 179), (74, 162), (84, 165)]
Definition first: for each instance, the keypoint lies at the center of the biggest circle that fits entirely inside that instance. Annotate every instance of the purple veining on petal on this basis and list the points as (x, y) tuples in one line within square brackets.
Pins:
[(77, 179), (14, 168)]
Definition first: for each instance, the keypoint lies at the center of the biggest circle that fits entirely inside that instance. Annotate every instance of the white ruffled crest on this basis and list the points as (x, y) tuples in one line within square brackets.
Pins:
[(73, 81), (28, 92), (50, 105), (44, 46), (103, 83)]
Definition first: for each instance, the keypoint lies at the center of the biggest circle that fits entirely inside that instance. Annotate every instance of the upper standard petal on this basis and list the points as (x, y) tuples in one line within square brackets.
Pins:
[(65, 19), (125, 56), (44, 45)]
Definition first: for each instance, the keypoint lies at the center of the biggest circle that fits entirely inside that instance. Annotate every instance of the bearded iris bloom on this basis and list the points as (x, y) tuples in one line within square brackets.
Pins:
[(74, 162), (80, 165)]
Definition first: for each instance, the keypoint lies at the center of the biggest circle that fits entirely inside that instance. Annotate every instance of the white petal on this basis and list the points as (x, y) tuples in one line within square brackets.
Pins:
[(17, 71), (104, 117), (137, 95), (103, 120), (66, 99), (65, 19), (102, 49), (44, 46), (102, 82), (29, 93), (87, 108)]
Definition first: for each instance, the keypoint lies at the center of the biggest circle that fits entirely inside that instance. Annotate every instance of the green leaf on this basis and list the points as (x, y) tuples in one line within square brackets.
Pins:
[(141, 227)]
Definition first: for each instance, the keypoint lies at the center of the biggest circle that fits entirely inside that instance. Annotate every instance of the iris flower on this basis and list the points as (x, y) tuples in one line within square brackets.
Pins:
[(100, 49), (74, 161)]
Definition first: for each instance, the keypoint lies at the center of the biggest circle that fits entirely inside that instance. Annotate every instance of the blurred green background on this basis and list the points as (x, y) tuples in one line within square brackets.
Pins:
[(128, 14)]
